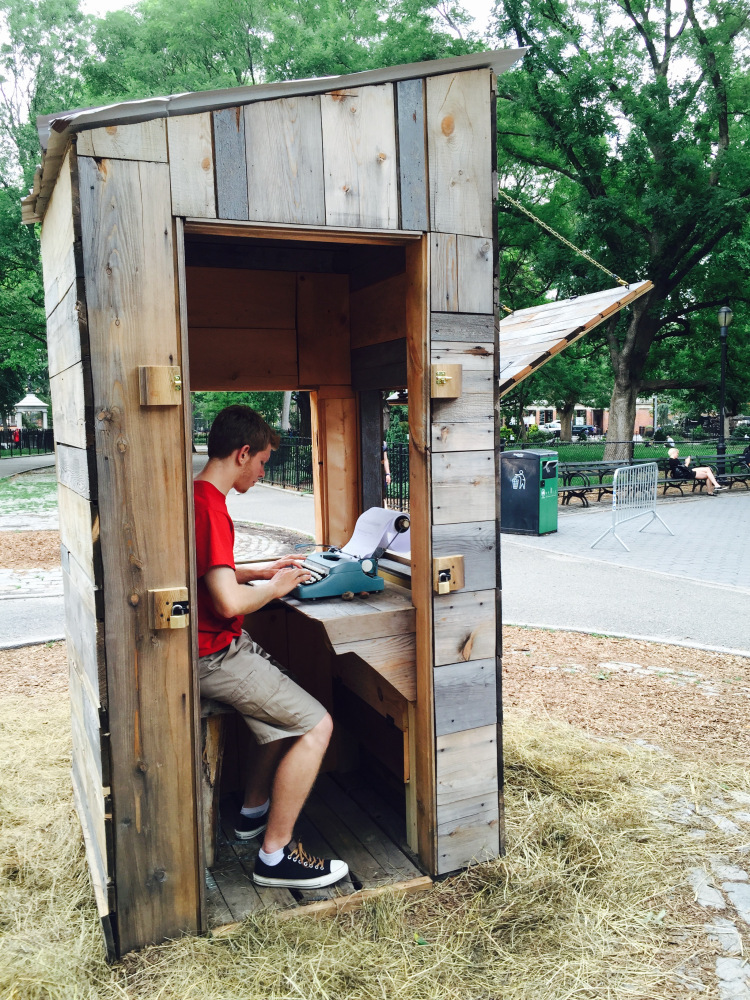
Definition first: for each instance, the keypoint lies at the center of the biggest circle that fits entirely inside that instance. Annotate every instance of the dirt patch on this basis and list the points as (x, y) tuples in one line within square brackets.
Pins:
[(29, 549), (682, 700), (34, 670)]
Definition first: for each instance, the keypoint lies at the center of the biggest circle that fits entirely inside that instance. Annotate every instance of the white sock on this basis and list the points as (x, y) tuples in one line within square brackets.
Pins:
[(271, 859), (253, 811)]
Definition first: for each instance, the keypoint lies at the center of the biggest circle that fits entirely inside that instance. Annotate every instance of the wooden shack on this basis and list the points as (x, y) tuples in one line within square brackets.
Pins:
[(330, 235)]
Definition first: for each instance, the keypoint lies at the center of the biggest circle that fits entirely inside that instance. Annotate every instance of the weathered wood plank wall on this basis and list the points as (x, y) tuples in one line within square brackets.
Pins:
[(72, 408), (131, 301), (463, 495)]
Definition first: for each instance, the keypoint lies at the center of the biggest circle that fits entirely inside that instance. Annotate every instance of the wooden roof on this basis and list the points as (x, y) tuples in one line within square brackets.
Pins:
[(530, 337)]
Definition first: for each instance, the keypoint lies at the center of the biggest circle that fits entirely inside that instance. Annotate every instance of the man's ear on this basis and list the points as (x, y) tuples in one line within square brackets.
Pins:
[(243, 454)]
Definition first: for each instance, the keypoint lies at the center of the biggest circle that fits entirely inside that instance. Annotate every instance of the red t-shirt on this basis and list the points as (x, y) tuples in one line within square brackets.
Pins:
[(214, 546)]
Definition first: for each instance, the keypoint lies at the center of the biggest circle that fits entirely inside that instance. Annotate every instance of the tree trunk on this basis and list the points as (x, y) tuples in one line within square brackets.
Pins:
[(622, 409), (285, 407), (628, 363), (566, 422)]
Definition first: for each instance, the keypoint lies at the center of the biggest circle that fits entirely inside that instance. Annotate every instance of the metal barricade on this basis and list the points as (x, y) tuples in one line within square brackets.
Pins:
[(633, 495)]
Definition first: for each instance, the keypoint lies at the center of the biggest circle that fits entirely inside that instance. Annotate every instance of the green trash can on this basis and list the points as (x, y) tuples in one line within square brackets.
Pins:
[(528, 492)]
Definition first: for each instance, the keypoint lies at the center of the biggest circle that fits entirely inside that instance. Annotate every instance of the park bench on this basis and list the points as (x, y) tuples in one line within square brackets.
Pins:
[(736, 469), (581, 479)]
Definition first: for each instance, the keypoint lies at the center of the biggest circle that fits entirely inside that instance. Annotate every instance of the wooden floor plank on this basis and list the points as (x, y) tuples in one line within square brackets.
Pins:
[(379, 845), (246, 851), (234, 883), (217, 911), (380, 811), (315, 843)]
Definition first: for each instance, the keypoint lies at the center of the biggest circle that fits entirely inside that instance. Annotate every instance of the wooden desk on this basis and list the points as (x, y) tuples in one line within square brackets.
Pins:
[(368, 644)]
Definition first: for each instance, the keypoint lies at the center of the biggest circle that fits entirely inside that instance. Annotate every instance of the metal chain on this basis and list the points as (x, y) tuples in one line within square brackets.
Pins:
[(562, 239)]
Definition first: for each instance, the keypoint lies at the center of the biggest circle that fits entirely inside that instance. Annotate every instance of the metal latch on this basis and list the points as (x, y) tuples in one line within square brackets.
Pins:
[(447, 574)]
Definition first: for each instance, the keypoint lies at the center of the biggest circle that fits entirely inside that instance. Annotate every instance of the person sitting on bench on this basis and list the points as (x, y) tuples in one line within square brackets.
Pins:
[(682, 470), (292, 729)]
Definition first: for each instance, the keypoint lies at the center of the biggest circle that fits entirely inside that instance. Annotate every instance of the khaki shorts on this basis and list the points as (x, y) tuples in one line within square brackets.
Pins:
[(246, 677)]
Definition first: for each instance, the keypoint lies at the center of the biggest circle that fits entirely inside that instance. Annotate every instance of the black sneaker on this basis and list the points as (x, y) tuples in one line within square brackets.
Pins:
[(298, 870), (247, 827)]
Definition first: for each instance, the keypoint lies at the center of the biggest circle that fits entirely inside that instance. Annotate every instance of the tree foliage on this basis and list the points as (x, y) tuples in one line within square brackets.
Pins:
[(628, 130)]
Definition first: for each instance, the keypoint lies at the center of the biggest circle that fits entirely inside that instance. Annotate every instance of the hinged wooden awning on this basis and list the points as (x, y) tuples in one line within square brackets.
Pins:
[(530, 337)]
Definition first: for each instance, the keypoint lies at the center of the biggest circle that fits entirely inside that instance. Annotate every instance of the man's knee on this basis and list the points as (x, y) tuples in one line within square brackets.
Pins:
[(320, 734)]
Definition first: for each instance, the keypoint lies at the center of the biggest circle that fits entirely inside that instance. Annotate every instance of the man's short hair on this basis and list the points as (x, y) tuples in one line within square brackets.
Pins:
[(673, 452), (236, 426)]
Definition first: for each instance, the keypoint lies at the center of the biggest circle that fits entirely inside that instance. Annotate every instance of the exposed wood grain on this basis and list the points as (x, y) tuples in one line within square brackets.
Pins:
[(474, 404), (191, 165), (231, 163), (418, 374), (466, 766), (443, 273), (476, 264), (96, 864), (475, 541), (472, 356), (463, 487), (86, 711), (447, 326), (89, 783), (464, 626), (63, 334), (359, 157), (131, 292), (460, 156), (323, 330), (142, 141), (340, 467), (68, 406), (238, 360), (238, 298), (388, 612), (473, 435), (393, 657), (465, 696), (58, 258), (73, 468), (412, 159), (378, 312), (285, 161), (212, 752), (79, 528), (468, 833)]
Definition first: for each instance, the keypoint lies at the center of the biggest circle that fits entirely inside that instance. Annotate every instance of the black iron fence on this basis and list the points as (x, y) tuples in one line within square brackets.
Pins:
[(397, 491), (291, 465), (26, 441)]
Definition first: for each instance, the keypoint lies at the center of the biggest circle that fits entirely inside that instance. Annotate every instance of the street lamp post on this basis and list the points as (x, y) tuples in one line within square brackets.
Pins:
[(725, 320)]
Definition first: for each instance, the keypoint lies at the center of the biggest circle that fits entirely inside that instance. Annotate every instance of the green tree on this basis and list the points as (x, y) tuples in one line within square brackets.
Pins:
[(628, 130), (44, 42), (207, 404)]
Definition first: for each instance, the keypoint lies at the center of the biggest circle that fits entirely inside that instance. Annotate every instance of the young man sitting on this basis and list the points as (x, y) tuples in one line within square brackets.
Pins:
[(291, 728)]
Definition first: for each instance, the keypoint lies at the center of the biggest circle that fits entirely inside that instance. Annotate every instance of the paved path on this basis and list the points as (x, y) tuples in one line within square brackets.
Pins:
[(692, 588), (25, 463)]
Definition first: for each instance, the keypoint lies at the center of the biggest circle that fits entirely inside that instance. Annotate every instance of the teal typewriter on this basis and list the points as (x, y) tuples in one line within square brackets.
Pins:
[(353, 569)]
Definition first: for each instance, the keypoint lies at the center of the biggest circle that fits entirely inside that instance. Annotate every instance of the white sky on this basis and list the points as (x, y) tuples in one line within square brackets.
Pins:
[(479, 9)]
